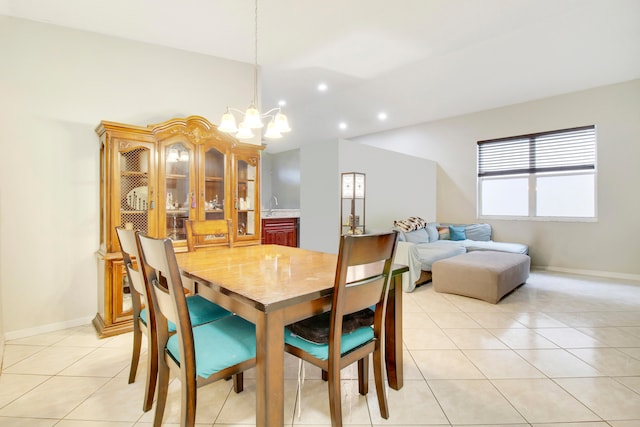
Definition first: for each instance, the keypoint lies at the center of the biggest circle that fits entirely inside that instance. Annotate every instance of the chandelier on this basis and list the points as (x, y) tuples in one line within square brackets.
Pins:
[(252, 118)]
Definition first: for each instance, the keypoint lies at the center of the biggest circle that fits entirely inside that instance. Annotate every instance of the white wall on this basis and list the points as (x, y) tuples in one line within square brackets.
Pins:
[(607, 247), (56, 85), (397, 186)]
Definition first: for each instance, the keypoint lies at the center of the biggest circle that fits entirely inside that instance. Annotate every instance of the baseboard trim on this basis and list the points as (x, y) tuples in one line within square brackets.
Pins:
[(24, 333), (595, 273)]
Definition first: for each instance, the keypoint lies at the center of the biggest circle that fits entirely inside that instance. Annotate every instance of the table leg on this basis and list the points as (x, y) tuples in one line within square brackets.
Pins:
[(270, 369), (393, 335)]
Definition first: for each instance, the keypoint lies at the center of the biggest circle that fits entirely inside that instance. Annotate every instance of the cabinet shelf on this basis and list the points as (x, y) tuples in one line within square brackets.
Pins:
[(136, 174), (214, 179)]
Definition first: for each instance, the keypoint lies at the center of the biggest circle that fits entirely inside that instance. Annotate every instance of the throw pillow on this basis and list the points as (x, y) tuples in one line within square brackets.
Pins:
[(443, 233), (456, 232), (432, 231), (410, 224)]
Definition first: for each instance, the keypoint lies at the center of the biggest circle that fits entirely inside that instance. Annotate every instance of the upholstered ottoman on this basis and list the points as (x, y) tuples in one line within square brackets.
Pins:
[(486, 275)]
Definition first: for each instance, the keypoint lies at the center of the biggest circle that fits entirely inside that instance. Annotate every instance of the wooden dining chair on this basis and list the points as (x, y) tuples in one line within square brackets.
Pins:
[(197, 355), (200, 310), (343, 336), (207, 233)]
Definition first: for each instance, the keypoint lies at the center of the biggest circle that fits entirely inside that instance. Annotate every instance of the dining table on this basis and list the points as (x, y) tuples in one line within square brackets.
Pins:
[(273, 286)]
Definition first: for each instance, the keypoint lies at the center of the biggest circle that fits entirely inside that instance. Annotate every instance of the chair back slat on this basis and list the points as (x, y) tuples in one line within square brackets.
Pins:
[(362, 280), (165, 284), (208, 233), (129, 247)]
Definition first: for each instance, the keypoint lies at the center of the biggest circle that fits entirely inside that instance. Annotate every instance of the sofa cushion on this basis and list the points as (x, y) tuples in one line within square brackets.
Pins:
[(514, 248), (429, 253), (456, 232), (417, 236), (479, 232)]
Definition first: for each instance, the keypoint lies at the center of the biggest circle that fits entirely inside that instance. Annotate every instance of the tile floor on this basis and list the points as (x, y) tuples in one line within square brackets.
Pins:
[(560, 351)]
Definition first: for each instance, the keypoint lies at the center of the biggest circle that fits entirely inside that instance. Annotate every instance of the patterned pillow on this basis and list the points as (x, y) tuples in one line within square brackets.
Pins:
[(410, 224)]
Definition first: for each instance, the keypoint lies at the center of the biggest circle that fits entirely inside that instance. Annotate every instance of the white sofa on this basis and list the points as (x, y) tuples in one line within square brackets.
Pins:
[(421, 247)]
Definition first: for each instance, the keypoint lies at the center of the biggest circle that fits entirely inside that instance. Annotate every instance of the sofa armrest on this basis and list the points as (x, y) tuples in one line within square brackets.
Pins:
[(406, 254)]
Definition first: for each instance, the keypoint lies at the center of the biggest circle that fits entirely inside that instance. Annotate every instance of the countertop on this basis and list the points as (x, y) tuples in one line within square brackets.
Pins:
[(280, 213)]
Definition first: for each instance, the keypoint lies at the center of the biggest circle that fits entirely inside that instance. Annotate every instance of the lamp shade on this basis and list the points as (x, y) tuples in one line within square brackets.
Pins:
[(228, 123), (281, 123), (272, 131), (252, 118), (353, 185), (244, 132)]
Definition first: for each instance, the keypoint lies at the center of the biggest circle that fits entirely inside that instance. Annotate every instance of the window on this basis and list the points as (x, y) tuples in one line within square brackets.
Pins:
[(549, 175)]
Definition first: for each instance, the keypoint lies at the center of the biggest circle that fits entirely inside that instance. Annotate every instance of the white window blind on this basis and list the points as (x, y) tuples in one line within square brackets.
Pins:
[(555, 151)]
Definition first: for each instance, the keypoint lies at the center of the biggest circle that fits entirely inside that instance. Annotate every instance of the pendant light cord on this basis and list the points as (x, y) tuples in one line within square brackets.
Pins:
[(255, 60)]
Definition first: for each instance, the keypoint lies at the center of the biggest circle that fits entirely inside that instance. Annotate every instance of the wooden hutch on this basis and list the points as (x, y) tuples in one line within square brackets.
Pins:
[(154, 178)]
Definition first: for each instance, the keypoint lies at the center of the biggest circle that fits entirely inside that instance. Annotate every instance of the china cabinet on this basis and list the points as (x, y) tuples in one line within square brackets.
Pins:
[(153, 179), (352, 203)]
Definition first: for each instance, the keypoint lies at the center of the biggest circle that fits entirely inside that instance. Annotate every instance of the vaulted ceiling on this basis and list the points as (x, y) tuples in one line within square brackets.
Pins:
[(415, 60)]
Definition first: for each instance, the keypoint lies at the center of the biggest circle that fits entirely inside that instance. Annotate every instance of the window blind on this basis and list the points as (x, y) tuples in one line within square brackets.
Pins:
[(562, 150)]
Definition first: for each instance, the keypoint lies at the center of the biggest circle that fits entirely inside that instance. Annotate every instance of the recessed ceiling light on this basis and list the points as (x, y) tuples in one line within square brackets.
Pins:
[(322, 87), (382, 116), (282, 103), (342, 125)]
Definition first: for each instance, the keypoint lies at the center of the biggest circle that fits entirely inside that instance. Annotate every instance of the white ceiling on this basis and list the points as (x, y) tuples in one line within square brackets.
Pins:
[(416, 60)]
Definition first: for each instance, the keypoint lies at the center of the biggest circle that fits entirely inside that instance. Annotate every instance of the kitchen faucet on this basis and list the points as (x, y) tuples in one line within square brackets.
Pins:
[(272, 200)]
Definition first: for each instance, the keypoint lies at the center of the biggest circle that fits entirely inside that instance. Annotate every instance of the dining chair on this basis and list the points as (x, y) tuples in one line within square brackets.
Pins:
[(207, 233), (197, 355), (200, 311), (334, 340)]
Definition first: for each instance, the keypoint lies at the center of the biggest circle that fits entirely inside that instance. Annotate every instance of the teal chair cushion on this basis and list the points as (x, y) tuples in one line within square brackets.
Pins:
[(321, 351), (201, 311), (218, 345)]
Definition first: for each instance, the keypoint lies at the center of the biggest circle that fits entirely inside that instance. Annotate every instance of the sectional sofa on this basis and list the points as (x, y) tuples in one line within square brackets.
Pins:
[(422, 243)]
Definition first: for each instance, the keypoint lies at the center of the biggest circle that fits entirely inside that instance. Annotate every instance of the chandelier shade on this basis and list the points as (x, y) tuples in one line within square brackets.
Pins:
[(251, 117)]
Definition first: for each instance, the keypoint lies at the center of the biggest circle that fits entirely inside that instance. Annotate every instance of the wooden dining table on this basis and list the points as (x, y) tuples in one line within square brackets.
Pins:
[(273, 286)]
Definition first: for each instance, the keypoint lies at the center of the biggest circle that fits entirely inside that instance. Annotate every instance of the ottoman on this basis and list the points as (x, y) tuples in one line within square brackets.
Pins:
[(486, 275)]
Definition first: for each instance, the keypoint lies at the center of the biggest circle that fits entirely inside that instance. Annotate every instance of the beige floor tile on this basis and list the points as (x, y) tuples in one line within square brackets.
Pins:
[(12, 386), (49, 361), (522, 339), (632, 382), (496, 320), (604, 396), (15, 353), (569, 338), (633, 352), (84, 336), (543, 401), (630, 423), (424, 339), (417, 319), (86, 423), (102, 362), (633, 330), (48, 338), (558, 363), (538, 320), (613, 337), (473, 402), (446, 320), (445, 364), (609, 361), (116, 393), (497, 364), (414, 404), (26, 422), (588, 424), (474, 339), (315, 404), (54, 398)]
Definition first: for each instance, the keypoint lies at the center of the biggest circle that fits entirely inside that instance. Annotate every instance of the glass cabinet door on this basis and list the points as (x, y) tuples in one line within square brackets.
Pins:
[(213, 192), (179, 194), (134, 188), (246, 199)]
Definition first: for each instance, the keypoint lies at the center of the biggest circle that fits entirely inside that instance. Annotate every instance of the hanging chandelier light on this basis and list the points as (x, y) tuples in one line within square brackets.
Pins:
[(252, 118)]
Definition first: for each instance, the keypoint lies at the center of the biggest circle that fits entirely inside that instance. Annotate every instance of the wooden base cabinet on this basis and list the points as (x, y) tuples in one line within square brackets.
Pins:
[(280, 231), (153, 178)]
